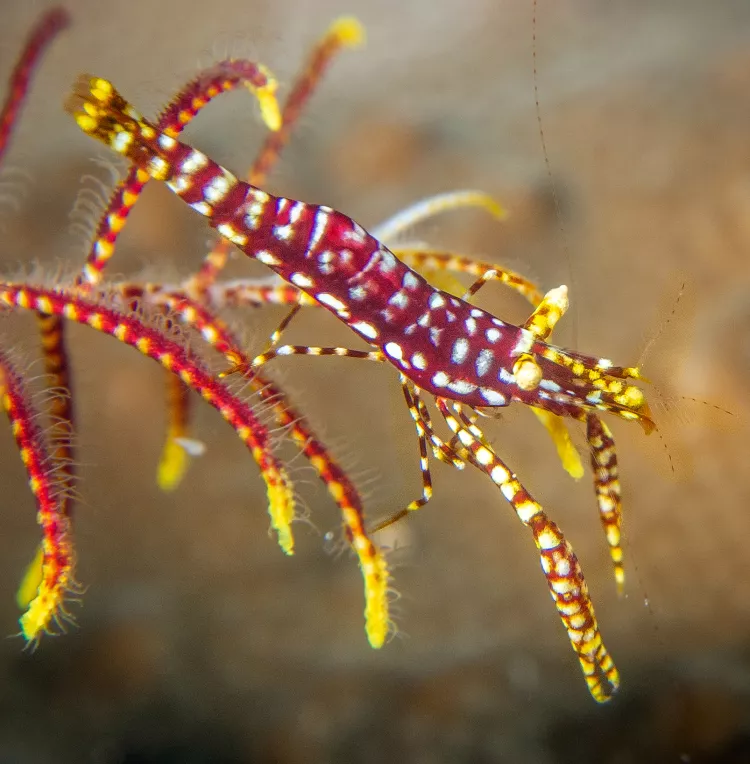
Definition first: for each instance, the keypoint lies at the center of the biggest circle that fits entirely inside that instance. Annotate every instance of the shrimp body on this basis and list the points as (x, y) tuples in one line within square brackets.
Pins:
[(443, 344)]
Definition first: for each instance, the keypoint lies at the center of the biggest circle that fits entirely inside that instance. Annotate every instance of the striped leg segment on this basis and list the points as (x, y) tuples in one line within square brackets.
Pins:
[(607, 486), (599, 437), (424, 463), (288, 350), (559, 563), (428, 260)]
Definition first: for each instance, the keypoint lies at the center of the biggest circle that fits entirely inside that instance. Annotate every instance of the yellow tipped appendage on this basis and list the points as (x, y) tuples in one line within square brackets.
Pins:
[(173, 465), (31, 581), (349, 31), (269, 106), (569, 456), (281, 508)]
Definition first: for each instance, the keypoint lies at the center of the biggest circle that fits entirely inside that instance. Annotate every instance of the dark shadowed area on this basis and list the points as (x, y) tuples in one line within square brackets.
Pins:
[(198, 640)]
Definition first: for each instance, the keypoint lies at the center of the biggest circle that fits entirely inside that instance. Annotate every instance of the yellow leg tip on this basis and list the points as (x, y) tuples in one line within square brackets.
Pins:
[(349, 31), (269, 106), (173, 465), (31, 581)]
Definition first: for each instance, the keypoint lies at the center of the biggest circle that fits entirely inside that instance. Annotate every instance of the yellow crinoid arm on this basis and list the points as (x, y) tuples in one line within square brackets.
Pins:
[(31, 581)]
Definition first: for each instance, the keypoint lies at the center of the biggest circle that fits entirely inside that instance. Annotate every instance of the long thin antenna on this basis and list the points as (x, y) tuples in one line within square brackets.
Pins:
[(553, 185)]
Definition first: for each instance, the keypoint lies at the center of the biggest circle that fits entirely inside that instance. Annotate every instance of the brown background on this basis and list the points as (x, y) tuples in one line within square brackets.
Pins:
[(198, 640)]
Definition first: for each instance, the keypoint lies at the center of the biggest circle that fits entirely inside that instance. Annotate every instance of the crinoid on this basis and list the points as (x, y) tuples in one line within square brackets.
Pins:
[(464, 358)]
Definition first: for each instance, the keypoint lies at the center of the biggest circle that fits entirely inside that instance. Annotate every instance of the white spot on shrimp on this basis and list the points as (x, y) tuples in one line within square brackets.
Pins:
[(157, 167), (440, 379), (228, 232), (493, 397), (460, 350), (179, 184), (356, 233), (283, 232), (484, 361), (399, 300), (418, 361), (410, 280), (435, 336), (267, 258), (525, 341), (202, 208), (319, 226), (193, 162), (476, 313), (357, 293), (436, 301), (394, 350), (167, 142), (296, 212), (548, 384), (301, 280), (326, 262), (493, 335), (368, 330), (461, 386), (387, 261), (216, 189), (121, 141), (471, 326), (330, 301)]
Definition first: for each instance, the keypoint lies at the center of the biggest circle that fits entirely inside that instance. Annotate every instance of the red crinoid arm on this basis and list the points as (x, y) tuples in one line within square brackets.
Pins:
[(222, 77), (172, 355), (254, 294), (46, 29), (49, 25), (61, 411), (344, 493), (58, 558), (343, 33), (559, 563)]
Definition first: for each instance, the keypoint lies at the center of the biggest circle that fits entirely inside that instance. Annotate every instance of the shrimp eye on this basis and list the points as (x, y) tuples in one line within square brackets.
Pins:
[(527, 373)]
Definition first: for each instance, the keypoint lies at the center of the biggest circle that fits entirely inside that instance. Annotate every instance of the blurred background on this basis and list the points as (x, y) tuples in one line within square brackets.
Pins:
[(198, 641)]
